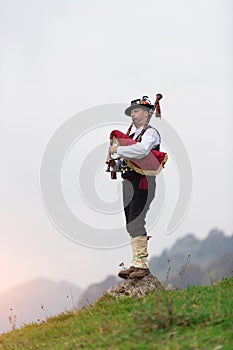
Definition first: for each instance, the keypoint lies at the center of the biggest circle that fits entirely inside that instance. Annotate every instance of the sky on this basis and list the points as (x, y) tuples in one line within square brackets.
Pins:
[(60, 58)]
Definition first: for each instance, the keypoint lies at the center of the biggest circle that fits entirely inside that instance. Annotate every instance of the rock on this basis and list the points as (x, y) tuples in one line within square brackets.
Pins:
[(135, 288)]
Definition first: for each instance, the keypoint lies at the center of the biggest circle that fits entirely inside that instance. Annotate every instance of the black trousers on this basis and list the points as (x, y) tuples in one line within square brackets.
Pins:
[(137, 203)]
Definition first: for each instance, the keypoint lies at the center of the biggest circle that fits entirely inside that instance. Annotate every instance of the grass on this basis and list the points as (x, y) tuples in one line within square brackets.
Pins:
[(194, 318)]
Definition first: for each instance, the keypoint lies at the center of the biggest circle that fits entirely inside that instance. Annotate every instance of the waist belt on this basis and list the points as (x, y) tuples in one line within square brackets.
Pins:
[(125, 169)]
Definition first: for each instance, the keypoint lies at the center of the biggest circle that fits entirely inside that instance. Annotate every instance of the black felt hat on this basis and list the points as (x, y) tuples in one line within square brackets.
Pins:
[(143, 102)]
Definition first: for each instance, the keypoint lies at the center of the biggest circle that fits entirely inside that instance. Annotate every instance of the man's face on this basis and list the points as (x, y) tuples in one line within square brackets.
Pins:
[(139, 117)]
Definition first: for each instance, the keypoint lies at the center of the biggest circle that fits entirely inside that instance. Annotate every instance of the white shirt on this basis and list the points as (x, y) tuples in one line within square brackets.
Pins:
[(139, 150)]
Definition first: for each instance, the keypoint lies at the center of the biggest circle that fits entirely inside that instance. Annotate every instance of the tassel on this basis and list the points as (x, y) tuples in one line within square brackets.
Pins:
[(157, 106)]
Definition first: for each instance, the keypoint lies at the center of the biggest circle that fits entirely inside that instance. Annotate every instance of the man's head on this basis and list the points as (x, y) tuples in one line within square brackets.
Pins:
[(141, 106), (139, 116), (141, 110)]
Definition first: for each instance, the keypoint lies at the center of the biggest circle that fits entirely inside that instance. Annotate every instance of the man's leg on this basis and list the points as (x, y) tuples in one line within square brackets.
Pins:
[(128, 193), (139, 206), (140, 254), (135, 213)]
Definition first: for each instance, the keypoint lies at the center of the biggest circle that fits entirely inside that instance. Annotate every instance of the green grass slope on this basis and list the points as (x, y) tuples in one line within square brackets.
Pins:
[(194, 318)]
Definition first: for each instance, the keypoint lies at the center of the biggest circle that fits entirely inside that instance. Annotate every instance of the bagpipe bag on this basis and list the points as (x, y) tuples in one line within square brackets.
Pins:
[(150, 165)]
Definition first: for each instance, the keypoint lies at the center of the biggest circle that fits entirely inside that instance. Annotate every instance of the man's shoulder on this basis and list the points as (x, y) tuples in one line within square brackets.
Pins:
[(154, 133), (152, 129)]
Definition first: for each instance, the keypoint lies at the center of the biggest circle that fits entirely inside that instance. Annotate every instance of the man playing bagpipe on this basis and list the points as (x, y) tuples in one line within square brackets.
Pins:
[(137, 156)]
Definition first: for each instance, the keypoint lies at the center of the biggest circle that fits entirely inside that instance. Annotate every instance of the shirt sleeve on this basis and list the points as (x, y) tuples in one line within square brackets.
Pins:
[(140, 149)]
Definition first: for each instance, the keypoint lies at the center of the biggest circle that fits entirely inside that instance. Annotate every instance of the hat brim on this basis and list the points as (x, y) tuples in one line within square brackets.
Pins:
[(136, 105)]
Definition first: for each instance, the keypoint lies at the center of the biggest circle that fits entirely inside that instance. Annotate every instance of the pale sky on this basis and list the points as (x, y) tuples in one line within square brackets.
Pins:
[(58, 58)]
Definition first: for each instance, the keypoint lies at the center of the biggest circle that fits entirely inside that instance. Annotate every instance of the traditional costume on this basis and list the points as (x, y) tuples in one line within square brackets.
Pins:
[(139, 160)]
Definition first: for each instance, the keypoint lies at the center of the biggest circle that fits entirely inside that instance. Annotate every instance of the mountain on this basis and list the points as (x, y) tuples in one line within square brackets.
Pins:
[(97, 289), (210, 258), (36, 300)]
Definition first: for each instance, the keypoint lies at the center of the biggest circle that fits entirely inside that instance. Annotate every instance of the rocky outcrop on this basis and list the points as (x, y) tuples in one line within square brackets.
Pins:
[(135, 288)]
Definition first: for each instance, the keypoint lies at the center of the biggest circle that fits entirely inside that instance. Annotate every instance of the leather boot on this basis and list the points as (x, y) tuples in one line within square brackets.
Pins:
[(126, 272), (139, 273)]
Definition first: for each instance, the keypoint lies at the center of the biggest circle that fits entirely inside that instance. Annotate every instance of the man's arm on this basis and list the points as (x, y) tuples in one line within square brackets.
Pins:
[(138, 150)]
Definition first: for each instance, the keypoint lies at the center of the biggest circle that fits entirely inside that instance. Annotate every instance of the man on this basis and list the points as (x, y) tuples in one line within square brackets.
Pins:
[(138, 189)]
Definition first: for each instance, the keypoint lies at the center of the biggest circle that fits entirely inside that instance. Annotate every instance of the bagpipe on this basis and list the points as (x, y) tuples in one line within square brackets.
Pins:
[(150, 165)]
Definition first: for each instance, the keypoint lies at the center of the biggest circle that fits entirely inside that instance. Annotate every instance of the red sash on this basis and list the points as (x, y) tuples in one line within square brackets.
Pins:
[(150, 165)]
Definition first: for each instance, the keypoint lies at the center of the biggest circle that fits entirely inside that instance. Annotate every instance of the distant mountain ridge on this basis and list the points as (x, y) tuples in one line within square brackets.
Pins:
[(26, 301), (210, 258), (97, 289)]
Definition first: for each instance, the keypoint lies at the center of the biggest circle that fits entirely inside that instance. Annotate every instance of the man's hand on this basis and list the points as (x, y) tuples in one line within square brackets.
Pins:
[(112, 149), (108, 159)]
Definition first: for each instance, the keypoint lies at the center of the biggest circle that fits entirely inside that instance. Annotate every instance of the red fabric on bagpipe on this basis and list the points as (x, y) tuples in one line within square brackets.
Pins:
[(150, 165)]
